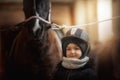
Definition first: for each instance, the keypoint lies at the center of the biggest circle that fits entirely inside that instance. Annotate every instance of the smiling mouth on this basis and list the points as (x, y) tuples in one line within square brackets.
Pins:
[(72, 56)]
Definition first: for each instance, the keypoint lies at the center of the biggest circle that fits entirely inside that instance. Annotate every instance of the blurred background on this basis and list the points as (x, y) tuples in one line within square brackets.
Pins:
[(100, 18), (73, 13)]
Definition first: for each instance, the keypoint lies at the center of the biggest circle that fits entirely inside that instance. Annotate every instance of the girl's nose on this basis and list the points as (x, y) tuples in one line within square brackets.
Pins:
[(72, 52)]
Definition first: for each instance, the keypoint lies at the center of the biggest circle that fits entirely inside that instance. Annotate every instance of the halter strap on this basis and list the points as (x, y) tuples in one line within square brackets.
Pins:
[(54, 26)]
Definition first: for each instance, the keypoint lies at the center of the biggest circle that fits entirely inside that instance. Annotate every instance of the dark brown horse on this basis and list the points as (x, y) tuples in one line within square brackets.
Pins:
[(36, 50)]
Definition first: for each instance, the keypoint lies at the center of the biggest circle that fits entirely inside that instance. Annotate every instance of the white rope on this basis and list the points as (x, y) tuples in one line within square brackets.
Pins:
[(37, 17), (55, 26), (86, 25)]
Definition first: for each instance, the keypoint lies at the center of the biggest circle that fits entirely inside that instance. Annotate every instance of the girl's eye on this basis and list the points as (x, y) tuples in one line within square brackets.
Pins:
[(77, 48), (68, 49)]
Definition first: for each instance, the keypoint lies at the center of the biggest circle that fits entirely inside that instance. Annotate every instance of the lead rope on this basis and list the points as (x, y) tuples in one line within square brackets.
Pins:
[(55, 26)]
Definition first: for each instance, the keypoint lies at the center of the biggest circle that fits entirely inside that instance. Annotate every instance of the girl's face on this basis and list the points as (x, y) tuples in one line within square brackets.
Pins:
[(73, 51)]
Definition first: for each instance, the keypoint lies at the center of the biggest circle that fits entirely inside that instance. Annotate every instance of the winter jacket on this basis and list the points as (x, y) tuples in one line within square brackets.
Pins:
[(83, 73)]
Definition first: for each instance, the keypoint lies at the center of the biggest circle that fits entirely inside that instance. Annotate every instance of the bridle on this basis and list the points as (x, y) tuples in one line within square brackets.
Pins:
[(54, 26)]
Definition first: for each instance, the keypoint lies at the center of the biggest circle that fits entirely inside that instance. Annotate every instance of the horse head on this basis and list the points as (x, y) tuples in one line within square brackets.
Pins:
[(37, 48), (37, 8)]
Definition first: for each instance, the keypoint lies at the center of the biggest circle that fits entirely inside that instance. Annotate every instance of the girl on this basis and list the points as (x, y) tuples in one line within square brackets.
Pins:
[(75, 64)]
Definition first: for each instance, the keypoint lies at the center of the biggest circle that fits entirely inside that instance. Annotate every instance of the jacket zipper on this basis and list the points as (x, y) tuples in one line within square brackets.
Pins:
[(69, 73)]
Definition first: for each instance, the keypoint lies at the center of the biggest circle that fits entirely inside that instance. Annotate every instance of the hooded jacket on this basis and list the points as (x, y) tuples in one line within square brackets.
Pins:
[(75, 69)]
